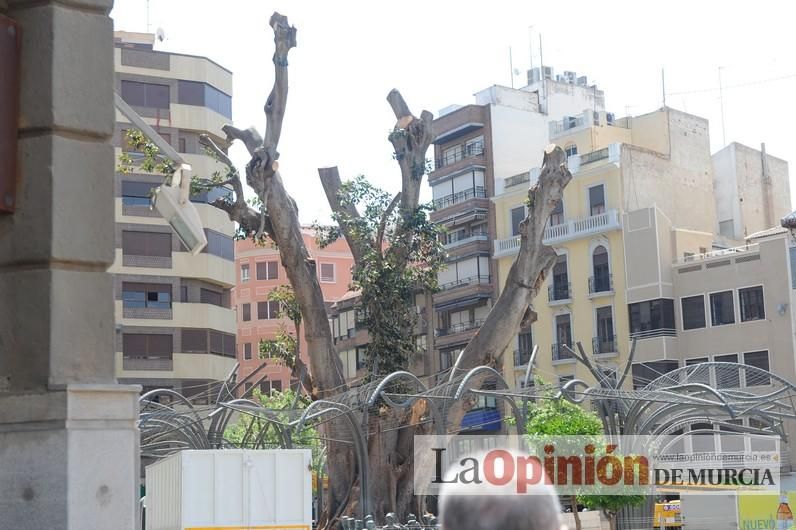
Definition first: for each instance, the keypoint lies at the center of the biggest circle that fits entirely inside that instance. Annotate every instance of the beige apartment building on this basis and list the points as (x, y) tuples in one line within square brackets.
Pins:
[(174, 325)]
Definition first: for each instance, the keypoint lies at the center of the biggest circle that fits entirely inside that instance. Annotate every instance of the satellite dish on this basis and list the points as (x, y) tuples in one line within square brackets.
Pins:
[(516, 71), (160, 34)]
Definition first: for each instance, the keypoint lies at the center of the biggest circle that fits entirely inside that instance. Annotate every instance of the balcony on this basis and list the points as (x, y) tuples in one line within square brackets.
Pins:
[(521, 357), (475, 152), (560, 353), (479, 192), (472, 280), (158, 364), (456, 241), (601, 285), (603, 345), (568, 124), (459, 328), (612, 153), (653, 333), (569, 230), (559, 292)]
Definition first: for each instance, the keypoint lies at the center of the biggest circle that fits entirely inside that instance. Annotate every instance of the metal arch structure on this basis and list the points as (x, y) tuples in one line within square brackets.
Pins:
[(710, 392)]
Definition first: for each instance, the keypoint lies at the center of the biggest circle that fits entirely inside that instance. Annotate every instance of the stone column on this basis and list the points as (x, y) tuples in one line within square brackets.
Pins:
[(68, 437)]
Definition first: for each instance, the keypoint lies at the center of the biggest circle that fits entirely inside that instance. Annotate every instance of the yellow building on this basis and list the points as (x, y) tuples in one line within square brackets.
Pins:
[(609, 285)]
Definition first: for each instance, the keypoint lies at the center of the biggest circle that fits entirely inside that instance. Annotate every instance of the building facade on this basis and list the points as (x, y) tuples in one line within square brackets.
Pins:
[(174, 324), (475, 148), (259, 272)]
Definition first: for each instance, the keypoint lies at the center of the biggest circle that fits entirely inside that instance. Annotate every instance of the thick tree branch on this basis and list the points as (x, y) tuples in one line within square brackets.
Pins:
[(378, 244), (330, 180), (528, 271), (284, 41), (250, 137), (207, 142)]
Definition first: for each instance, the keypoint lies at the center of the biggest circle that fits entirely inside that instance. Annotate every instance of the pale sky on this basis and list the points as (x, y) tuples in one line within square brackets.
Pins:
[(351, 53)]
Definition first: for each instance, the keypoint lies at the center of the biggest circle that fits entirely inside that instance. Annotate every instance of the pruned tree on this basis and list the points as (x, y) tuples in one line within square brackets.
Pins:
[(398, 248)]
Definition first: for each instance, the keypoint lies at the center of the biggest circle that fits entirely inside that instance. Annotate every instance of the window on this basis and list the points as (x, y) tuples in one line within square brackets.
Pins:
[(182, 148), (246, 309), (151, 95), (204, 95), (727, 376), (155, 296), (651, 318), (247, 387), (557, 217), (571, 150), (563, 334), (222, 343), (206, 296), (361, 357), (327, 272), (220, 245), (136, 193), (247, 351), (474, 146), (644, 373), (267, 310), (564, 379), (696, 360), (421, 344), (447, 358), (524, 348), (184, 294), (605, 330), (758, 359), (267, 270), (156, 244), (597, 200), (517, 216), (693, 312), (602, 275), (560, 286), (722, 310), (751, 303), (141, 345), (244, 273), (194, 340), (792, 252)]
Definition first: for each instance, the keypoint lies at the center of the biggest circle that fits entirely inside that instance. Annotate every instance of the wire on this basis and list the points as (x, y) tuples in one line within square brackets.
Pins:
[(739, 85)]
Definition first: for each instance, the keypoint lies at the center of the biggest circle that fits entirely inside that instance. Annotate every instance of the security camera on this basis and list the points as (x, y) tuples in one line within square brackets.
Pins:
[(172, 202)]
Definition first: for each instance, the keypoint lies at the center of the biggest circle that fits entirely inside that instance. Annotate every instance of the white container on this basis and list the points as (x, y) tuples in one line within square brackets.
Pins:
[(231, 489)]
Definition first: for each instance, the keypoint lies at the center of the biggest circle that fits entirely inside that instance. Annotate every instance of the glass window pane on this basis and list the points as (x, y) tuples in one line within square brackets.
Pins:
[(722, 310), (693, 312), (752, 305), (758, 359), (727, 376)]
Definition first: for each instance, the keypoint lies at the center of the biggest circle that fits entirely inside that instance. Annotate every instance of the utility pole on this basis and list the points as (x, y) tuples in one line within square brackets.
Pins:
[(511, 68), (530, 47), (663, 86)]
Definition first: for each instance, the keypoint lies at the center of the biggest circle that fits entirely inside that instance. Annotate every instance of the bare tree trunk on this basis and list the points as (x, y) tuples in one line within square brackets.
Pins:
[(573, 503)]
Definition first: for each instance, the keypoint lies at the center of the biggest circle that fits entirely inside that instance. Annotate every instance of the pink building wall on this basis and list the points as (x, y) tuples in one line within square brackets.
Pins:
[(254, 290)]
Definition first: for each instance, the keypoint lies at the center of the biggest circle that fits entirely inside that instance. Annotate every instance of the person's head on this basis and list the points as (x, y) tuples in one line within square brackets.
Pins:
[(538, 509)]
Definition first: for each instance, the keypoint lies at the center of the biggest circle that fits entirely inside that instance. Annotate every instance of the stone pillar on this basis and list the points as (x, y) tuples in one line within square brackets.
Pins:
[(68, 437)]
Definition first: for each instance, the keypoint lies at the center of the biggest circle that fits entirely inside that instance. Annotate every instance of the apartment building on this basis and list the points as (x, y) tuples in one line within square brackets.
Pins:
[(175, 327), (259, 271), (642, 197), (475, 147)]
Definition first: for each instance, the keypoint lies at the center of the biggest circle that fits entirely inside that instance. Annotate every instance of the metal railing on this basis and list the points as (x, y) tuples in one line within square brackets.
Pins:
[(724, 252), (449, 159), (560, 353), (566, 124), (653, 333), (455, 198), (575, 228), (521, 357), (603, 345), (517, 179), (464, 281), (594, 156), (603, 283), (560, 291), (460, 327)]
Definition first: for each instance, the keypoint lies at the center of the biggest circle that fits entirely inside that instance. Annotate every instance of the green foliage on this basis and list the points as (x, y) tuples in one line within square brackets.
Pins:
[(285, 346), (283, 405), (558, 417), (148, 157), (610, 504), (405, 259)]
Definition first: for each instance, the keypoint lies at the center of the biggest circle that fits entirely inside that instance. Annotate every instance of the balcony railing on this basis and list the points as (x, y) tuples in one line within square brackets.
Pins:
[(566, 124), (558, 292), (477, 152), (560, 353), (719, 253), (653, 333), (464, 281), (521, 357), (594, 156), (143, 363), (601, 345), (603, 283), (459, 328), (455, 198), (456, 241)]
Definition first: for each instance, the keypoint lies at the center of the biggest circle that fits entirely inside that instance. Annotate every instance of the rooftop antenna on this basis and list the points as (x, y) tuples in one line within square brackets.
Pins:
[(663, 86), (530, 44), (160, 35), (511, 68), (721, 104), (147, 16)]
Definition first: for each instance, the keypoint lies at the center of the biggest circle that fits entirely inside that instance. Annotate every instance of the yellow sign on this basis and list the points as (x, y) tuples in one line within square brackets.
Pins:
[(759, 511), (667, 514)]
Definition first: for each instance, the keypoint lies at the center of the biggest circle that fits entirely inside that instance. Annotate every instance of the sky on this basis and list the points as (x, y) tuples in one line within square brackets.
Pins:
[(350, 54)]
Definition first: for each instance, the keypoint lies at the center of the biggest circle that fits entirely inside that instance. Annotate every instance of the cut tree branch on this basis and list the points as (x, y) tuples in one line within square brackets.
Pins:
[(330, 180), (379, 243), (250, 137), (528, 271)]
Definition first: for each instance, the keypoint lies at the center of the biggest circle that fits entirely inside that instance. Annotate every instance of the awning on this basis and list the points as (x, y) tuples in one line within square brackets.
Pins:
[(464, 302), (487, 419)]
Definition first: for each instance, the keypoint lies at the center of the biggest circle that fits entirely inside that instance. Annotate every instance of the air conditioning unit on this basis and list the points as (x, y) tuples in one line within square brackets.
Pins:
[(609, 118), (547, 72), (582, 81), (570, 77), (534, 76)]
